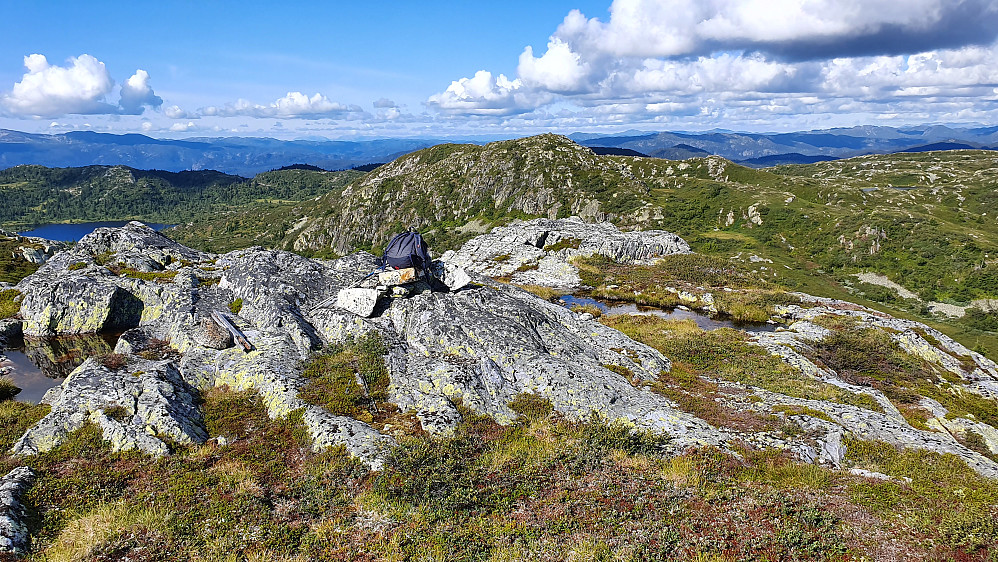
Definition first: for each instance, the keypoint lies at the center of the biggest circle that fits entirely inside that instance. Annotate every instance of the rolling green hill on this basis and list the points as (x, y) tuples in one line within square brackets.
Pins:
[(36, 194)]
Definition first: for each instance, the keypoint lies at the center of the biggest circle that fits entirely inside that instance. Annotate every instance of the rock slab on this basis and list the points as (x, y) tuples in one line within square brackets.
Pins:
[(14, 536)]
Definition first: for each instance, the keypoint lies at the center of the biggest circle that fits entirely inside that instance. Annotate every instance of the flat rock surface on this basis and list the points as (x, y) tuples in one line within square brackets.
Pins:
[(538, 251)]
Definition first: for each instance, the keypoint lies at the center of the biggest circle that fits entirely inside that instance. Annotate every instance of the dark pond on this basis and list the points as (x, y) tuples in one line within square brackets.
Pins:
[(73, 232), (38, 364), (702, 320)]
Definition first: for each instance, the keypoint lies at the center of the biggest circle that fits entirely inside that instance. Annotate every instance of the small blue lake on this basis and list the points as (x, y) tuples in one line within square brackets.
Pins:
[(73, 232), (702, 320)]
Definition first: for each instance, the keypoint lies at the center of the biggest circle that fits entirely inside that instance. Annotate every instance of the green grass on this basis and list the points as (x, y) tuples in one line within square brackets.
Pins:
[(8, 390), (944, 498), (10, 303), (13, 266), (154, 276), (868, 356), (725, 354)]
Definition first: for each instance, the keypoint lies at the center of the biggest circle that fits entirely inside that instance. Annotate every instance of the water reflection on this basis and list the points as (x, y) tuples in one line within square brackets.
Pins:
[(702, 320), (38, 364)]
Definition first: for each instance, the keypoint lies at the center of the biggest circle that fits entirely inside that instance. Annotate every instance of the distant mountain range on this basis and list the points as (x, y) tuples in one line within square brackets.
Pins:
[(249, 156), (770, 149), (232, 155)]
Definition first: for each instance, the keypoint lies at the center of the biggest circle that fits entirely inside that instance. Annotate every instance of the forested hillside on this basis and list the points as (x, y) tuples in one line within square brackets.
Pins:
[(36, 194)]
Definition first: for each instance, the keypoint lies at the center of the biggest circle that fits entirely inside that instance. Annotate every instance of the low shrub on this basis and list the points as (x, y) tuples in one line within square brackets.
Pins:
[(531, 406), (114, 361), (235, 306)]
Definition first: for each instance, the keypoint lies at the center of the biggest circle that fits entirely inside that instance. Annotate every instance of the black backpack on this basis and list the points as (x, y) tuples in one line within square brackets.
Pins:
[(407, 250)]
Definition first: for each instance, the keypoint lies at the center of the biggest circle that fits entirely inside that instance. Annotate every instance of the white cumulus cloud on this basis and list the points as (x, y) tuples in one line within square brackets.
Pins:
[(292, 105), (177, 112), (49, 91), (136, 94), (747, 60), (182, 127), (484, 94), (80, 87), (558, 70)]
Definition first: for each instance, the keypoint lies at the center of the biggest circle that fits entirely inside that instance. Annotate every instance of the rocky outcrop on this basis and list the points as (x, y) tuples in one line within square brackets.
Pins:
[(979, 373), (480, 347), (14, 535), (137, 405), (538, 251), (33, 249)]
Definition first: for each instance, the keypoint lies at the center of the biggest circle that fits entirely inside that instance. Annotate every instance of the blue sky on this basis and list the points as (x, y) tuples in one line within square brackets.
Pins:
[(453, 69)]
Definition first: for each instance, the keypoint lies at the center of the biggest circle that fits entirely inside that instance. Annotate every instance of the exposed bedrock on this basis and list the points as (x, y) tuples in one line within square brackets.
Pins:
[(480, 346), (538, 251)]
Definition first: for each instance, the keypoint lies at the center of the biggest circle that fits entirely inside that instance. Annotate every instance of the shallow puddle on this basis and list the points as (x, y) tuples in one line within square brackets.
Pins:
[(702, 320), (38, 364)]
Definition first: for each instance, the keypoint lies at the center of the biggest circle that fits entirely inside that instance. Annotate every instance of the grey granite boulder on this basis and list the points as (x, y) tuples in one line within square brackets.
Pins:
[(14, 534), (538, 251), (76, 303), (151, 398)]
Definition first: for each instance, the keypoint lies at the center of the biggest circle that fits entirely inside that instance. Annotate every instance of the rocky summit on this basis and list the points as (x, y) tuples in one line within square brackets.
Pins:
[(476, 393), (478, 348)]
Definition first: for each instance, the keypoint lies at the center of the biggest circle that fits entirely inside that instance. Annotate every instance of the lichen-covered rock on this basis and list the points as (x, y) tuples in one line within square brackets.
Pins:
[(479, 346), (156, 401), (14, 534), (137, 246), (482, 346), (538, 251), (211, 335), (76, 304)]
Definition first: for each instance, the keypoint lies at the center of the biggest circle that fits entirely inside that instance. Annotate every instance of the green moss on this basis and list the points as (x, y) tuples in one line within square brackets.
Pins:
[(77, 266), (156, 276), (236, 305), (10, 303), (349, 380), (118, 413), (527, 266), (563, 244)]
